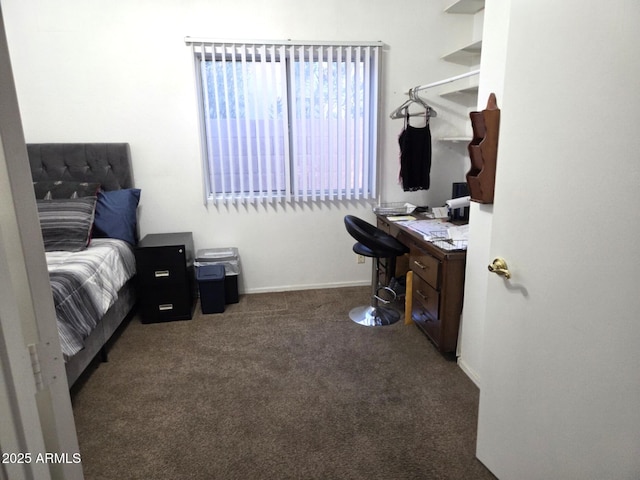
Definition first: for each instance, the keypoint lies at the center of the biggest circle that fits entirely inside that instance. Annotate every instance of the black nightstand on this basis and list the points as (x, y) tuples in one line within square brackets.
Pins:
[(166, 277)]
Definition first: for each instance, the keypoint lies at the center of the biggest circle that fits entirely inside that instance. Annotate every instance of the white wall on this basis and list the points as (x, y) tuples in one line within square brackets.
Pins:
[(120, 71)]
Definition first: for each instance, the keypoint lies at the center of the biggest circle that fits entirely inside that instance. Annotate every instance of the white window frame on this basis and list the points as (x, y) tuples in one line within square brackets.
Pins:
[(338, 166)]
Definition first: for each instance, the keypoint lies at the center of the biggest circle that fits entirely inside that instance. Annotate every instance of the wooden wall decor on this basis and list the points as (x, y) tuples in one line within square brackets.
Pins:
[(483, 152)]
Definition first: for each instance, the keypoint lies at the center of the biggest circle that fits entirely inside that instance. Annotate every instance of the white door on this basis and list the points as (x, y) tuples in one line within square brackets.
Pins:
[(560, 380), (37, 431)]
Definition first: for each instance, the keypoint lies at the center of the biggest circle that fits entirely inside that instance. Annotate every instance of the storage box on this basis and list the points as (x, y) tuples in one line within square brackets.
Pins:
[(211, 285), (229, 258)]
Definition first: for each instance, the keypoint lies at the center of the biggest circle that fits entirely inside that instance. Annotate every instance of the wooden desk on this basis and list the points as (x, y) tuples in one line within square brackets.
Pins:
[(438, 285)]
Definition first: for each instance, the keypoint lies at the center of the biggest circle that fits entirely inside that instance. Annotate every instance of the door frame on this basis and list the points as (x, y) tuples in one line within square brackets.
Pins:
[(37, 404)]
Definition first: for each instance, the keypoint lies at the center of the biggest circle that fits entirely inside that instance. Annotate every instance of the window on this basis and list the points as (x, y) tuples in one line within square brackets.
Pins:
[(288, 121)]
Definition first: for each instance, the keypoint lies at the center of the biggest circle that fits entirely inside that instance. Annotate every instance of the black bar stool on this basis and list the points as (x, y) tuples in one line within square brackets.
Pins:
[(376, 244)]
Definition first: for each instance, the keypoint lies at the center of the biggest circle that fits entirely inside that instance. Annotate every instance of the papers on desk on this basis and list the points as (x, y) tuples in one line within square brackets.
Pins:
[(459, 232), (400, 218), (444, 235)]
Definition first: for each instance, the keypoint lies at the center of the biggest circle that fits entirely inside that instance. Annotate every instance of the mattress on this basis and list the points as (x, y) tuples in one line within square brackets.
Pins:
[(85, 284)]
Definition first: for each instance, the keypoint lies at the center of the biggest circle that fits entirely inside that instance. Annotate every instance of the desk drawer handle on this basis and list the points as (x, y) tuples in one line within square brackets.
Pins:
[(420, 264), (161, 273), (422, 295), (165, 306)]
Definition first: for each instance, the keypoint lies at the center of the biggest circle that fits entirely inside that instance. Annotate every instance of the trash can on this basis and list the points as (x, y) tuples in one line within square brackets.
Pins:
[(211, 286), (229, 258)]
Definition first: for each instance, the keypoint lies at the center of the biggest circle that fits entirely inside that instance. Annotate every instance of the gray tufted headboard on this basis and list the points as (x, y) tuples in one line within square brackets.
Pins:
[(106, 163)]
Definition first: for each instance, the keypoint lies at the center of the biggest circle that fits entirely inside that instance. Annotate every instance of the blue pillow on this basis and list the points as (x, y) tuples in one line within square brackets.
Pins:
[(116, 215)]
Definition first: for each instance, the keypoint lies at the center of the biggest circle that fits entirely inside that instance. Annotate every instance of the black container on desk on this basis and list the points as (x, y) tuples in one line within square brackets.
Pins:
[(211, 285), (460, 189)]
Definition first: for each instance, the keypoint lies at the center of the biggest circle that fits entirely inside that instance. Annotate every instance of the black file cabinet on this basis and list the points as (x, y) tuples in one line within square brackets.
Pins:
[(166, 277)]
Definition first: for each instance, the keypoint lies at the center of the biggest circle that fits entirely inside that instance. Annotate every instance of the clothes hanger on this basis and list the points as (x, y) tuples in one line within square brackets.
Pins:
[(402, 111), (413, 95)]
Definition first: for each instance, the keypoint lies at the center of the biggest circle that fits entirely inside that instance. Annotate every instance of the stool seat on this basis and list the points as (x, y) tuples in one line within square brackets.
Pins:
[(381, 244), (361, 249), (374, 243)]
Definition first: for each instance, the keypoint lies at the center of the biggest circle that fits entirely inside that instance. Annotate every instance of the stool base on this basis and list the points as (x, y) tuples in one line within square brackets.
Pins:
[(374, 316)]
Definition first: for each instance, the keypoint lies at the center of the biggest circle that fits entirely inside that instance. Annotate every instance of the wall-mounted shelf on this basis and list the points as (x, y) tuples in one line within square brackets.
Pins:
[(483, 152), (465, 6), (466, 85), (466, 55), (464, 91)]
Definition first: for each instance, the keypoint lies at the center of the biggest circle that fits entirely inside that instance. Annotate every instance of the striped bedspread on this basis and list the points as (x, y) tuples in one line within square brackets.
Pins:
[(85, 284)]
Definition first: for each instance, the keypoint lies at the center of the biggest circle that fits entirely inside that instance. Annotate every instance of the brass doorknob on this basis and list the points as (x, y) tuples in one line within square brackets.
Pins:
[(499, 266)]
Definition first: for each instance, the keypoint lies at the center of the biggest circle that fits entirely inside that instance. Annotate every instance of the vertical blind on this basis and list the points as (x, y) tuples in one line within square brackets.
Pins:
[(288, 121)]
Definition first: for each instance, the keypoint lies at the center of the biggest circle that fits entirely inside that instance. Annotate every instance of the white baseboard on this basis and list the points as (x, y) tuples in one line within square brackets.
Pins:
[(290, 288), (470, 372)]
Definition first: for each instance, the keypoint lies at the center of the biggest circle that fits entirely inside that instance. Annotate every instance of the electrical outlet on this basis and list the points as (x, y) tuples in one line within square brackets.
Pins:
[(360, 258)]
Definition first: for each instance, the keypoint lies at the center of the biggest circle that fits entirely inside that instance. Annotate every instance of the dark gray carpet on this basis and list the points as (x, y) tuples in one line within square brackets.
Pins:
[(280, 386)]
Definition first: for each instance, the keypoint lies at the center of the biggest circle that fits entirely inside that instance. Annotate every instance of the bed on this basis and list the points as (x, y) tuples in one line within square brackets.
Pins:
[(87, 206)]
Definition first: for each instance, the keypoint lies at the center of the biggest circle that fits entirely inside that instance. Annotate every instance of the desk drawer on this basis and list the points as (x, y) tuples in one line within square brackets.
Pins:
[(384, 225), (425, 297), (425, 266), (424, 309)]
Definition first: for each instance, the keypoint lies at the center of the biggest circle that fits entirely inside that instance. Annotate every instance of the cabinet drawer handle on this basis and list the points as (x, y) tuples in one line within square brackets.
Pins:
[(165, 306), (422, 295), (420, 264), (161, 273)]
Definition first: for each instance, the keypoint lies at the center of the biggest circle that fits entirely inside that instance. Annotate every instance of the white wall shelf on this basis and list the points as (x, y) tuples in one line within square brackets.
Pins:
[(465, 6), (455, 92), (467, 55), (463, 91)]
